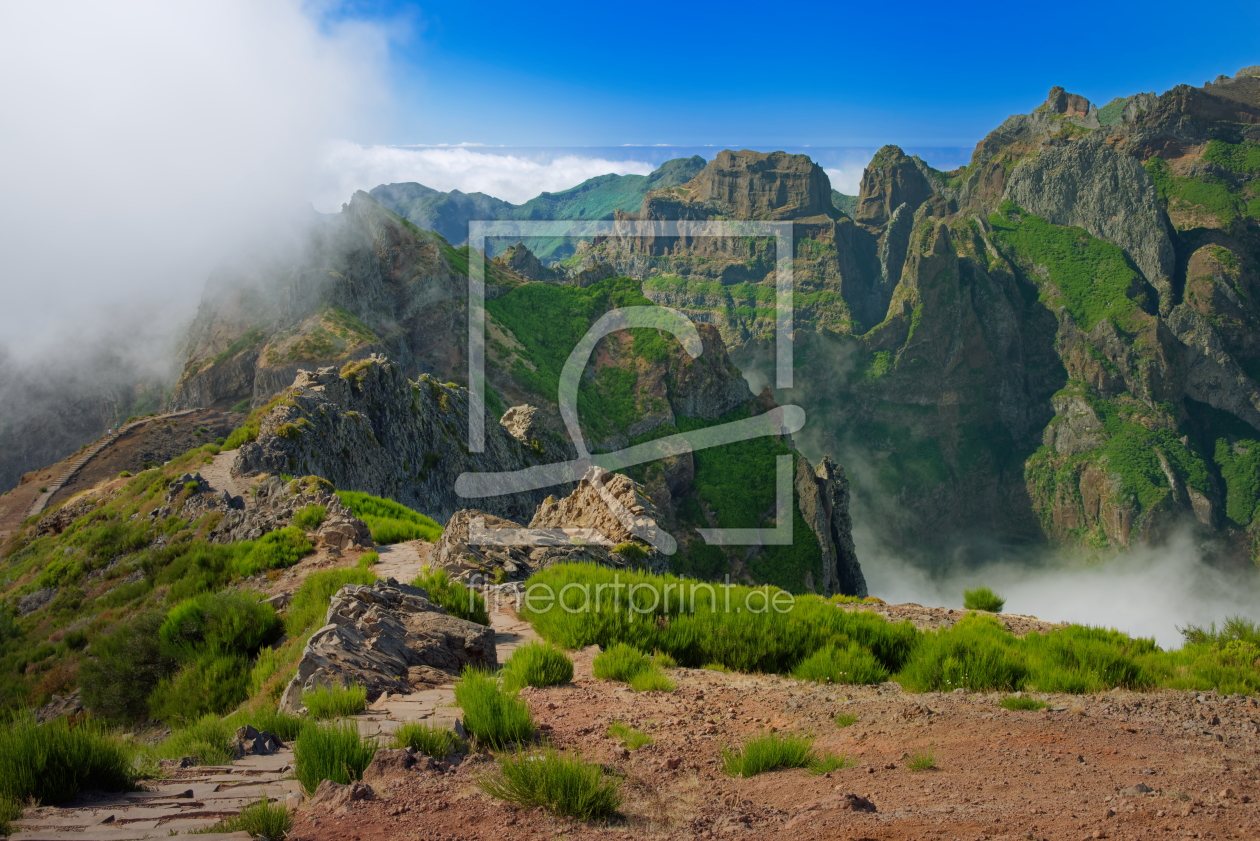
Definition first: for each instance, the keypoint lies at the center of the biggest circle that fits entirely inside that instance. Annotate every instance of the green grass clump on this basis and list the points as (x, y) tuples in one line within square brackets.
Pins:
[(436, 742), (335, 701), (652, 679), (461, 601), (619, 662), (828, 762), (205, 739), (829, 664), (767, 751), (561, 783), (664, 621), (284, 726), (976, 653), (331, 750), (229, 621), (368, 559), (1022, 702), (389, 521), (264, 819), (311, 517), (922, 759), (844, 719), (536, 664), (310, 603), (982, 598), (495, 716), (212, 683), (275, 550), (630, 738), (50, 763)]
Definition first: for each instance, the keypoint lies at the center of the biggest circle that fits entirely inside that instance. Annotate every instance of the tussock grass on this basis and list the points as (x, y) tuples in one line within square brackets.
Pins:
[(844, 719), (627, 664), (331, 751), (922, 759), (630, 738), (263, 819), (830, 664), (284, 726), (335, 701), (432, 741), (52, 762), (767, 751), (311, 517), (828, 762), (536, 664), (310, 604), (461, 601), (205, 739), (652, 679), (496, 717), (389, 521), (561, 783), (1022, 702), (982, 598), (746, 642)]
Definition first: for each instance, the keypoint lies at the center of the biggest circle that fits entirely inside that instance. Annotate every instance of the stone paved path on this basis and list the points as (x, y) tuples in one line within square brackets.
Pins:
[(196, 798)]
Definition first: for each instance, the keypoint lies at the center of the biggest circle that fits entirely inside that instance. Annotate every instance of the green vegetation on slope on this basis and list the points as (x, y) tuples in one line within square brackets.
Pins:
[(1213, 195), (977, 653), (1094, 277), (389, 521)]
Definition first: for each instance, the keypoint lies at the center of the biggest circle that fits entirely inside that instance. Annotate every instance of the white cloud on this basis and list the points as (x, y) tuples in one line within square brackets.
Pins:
[(143, 140), (847, 179), (512, 177)]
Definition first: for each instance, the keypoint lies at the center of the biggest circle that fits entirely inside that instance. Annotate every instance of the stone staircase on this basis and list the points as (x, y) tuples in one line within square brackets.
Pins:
[(84, 456)]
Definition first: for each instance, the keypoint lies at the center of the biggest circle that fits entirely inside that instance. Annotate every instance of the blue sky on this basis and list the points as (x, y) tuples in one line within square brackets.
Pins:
[(758, 74)]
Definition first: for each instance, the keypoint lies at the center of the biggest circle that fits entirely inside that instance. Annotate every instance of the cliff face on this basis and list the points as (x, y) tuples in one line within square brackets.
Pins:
[(368, 428), (1057, 341)]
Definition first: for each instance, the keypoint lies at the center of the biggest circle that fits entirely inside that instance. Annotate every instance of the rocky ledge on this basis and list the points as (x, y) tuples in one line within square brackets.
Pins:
[(387, 638)]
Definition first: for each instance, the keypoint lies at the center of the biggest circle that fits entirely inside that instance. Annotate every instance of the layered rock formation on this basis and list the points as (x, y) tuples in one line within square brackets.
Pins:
[(387, 638), (368, 428)]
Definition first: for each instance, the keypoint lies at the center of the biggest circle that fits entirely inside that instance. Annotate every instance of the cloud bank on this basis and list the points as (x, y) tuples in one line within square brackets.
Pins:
[(142, 141), (513, 177)]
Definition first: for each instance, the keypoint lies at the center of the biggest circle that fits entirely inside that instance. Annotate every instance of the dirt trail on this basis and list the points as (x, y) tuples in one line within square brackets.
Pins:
[(219, 475)]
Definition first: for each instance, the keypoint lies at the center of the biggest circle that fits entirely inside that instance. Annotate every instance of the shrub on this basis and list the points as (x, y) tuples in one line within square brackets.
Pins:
[(126, 474), (922, 759), (976, 653), (461, 601), (559, 782), (495, 717), (632, 552), (310, 603), (52, 762), (274, 550), (664, 660), (830, 664), (1022, 702), (536, 664), (665, 621), (331, 751), (767, 751), (212, 683), (123, 668), (389, 521), (229, 621), (311, 517), (982, 598), (335, 701), (436, 742), (630, 738)]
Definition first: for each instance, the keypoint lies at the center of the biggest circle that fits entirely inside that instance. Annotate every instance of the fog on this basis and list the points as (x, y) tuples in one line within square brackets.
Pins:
[(142, 142)]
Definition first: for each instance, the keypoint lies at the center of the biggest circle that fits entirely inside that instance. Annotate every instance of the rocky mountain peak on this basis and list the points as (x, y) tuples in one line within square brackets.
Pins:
[(892, 179), (1059, 101), (761, 185)]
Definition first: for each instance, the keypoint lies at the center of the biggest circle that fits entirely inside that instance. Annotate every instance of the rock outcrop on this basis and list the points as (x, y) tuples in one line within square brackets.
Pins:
[(823, 492), (580, 528), (369, 428), (761, 185), (387, 638)]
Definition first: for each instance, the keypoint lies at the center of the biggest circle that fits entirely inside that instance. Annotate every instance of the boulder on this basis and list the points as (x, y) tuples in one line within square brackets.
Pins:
[(387, 638), (329, 795), (253, 742), (390, 764), (519, 422)]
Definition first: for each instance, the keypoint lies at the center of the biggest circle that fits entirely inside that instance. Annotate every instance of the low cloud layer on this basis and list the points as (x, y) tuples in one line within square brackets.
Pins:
[(143, 141), (846, 179), (1147, 592), (514, 176)]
